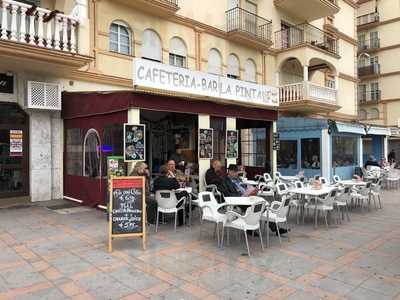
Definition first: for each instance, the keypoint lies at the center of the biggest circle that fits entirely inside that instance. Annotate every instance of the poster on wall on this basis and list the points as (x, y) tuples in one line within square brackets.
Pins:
[(276, 145), (134, 142), (16, 142), (205, 143), (232, 144), (115, 166)]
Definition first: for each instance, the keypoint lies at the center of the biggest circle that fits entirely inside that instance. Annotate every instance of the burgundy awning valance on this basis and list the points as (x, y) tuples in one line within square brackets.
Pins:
[(77, 105)]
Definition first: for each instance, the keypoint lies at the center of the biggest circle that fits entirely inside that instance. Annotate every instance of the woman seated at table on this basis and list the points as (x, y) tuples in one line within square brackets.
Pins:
[(163, 182)]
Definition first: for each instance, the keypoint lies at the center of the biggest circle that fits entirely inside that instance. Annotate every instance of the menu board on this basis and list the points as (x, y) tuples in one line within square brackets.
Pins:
[(16, 142), (127, 217), (134, 142), (205, 143), (232, 144)]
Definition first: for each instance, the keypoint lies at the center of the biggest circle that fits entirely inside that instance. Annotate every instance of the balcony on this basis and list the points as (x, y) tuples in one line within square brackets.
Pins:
[(162, 8), (308, 10), (368, 19), (370, 70), (306, 34), (307, 97), (37, 39), (249, 29), (365, 45), (365, 97)]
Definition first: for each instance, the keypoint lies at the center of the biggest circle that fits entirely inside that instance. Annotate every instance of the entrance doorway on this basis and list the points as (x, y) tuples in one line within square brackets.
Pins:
[(14, 151)]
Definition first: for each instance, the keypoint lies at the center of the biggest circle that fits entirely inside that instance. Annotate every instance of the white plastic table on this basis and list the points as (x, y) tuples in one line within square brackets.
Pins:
[(250, 182), (243, 201), (352, 183)]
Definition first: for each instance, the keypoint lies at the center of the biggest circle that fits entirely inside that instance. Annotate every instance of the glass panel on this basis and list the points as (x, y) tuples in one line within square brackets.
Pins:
[(253, 147), (74, 152), (114, 47), (113, 143), (344, 151), (92, 155), (114, 37), (310, 153), (287, 155), (124, 49)]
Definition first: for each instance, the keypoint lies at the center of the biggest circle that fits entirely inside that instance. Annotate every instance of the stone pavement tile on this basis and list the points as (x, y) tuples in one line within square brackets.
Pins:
[(333, 286), (301, 295), (21, 277), (156, 290), (383, 285), (71, 289), (294, 267), (281, 292), (103, 286), (365, 294), (373, 263), (52, 274), (134, 279), (84, 296), (174, 294), (135, 296), (69, 264), (390, 247), (98, 257), (18, 292), (40, 265), (12, 264), (195, 290), (46, 294), (350, 275)]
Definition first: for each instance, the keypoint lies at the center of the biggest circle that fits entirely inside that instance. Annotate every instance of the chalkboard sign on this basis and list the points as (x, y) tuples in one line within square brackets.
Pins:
[(127, 214), (134, 142)]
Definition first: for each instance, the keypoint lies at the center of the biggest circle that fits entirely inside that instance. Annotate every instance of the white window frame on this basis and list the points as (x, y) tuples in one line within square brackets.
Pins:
[(119, 25)]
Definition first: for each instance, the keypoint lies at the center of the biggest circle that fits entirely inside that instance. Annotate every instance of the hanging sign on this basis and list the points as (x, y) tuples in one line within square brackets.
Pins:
[(134, 142), (232, 144), (276, 142), (6, 84), (205, 143), (127, 213), (16, 142)]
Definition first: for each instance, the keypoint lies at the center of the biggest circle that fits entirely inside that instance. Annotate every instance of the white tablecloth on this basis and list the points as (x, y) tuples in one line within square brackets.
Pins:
[(313, 192), (241, 200)]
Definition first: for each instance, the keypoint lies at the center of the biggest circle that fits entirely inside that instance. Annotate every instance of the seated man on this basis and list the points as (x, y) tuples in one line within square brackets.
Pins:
[(214, 174), (163, 182), (233, 178), (371, 162), (171, 169)]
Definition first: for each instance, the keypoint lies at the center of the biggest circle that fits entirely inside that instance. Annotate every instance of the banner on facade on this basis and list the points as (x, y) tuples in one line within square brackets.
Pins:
[(150, 74), (16, 142), (232, 144), (134, 142)]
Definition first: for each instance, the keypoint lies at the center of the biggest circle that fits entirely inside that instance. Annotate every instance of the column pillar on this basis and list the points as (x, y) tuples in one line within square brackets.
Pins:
[(133, 118), (360, 152), (273, 153), (385, 146), (277, 78), (305, 73), (231, 125), (326, 155), (204, 164)]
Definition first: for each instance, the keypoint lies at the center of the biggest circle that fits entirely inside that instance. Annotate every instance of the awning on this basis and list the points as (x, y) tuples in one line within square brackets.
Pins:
[(373, 130), (395, 131), (350, 128)]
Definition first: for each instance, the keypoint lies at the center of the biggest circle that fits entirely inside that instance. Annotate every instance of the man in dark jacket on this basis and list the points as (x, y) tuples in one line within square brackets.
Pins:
[(213, 174), (371, 162)]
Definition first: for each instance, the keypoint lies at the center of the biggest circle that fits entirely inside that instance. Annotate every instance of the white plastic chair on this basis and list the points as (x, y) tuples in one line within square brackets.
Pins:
[(210, 211), (323, 180), (267, 178), (361, 195), (325, 205), (296, 200), (342, 202), (266, 190), (336, 179), (168, 204), (249, 221), (277, 213), (375, 192)]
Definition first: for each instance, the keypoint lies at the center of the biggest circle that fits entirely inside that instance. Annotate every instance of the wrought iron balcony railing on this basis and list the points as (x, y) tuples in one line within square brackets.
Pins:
[(373, 69), (241, 20), (369, 96), (305, 34), (369, 44), (368, 18)]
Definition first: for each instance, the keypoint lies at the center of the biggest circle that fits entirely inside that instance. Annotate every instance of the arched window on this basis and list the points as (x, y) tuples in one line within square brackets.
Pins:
[(362, 114), (120, 38), (151, 47), (250, 70), (214, 62), (374, 114), (233, 67), (91, 154), (177, 53)]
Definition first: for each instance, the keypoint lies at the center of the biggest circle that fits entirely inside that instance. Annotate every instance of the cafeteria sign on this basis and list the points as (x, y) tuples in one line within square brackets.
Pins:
[(16, 144), (150, 74)]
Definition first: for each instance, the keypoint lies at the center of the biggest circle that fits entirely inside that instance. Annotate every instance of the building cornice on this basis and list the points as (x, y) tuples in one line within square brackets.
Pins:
[(380, 49), (348, 77), (375, 24), (352, 3), (362, 1)]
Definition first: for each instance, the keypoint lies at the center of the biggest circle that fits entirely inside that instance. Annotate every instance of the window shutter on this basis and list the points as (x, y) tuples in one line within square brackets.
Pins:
[(151, 47)]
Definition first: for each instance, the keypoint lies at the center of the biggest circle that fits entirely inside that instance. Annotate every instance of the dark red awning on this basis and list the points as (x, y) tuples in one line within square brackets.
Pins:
[(77, 105)]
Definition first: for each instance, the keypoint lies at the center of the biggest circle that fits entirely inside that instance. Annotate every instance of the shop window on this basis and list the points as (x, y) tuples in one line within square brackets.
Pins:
[(120, 38), (287, 155), (344, 151), (112, 144), (250, 71), (177, 53), (151, 47), (253, 147), (214, 62), (91, 153), (233, 67), (310, 154), (219, 132), (74, 152)]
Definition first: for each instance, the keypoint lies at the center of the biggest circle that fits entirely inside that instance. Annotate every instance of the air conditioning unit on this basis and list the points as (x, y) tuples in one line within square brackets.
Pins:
[(43, 95)]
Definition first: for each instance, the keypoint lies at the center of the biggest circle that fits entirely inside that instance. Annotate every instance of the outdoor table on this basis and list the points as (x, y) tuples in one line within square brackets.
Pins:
[(352, 183), (189, 191), (250, 182), (309, 191), (241, 201), (289, 178)]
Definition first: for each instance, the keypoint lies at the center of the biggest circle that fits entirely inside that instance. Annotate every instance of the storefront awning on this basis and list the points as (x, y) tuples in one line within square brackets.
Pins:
[(378, 130), (350, 128), (395, 131)]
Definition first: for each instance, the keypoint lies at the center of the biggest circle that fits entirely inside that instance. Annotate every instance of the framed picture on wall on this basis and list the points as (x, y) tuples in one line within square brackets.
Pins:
[(134, 142), (232, 144), (206, 143)]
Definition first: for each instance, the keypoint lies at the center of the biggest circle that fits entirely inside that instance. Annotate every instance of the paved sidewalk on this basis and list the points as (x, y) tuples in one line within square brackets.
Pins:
[(46, 255)]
